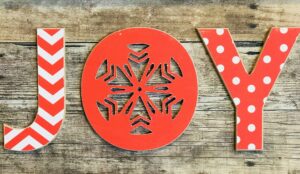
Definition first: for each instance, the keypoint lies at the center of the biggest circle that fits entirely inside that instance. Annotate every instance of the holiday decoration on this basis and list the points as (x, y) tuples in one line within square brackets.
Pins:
[(139, 87), (51, 95), (249, 92), (124, 74)]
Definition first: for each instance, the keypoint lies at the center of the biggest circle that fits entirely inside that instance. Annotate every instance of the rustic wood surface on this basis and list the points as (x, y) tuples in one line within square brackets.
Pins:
[(207, 146)]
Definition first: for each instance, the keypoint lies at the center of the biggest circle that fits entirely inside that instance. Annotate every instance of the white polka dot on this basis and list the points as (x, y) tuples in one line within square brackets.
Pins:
[(265, 99), (236, 80), (267, 80), (220, 49), (238, 120), (251, 147), (251, 88), (267, 59), (251, 109), (251, 127), (236, 101), (220, 68), (281, 65), (283, 47), (283, 30), (238, 139), (206, 41), (220, 31), (236, 59)]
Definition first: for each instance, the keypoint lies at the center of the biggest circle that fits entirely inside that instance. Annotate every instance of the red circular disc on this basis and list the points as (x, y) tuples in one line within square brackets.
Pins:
[(139, 89)]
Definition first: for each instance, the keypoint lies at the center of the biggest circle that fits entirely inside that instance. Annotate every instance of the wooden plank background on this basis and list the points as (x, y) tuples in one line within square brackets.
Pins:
[(207, 146)]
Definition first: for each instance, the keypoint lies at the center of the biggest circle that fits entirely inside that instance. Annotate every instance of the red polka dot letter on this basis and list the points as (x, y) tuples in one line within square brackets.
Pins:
[(249, 91)]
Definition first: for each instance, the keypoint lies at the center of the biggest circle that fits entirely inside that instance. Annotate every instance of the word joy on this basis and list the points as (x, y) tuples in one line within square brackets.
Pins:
[(115, 57)]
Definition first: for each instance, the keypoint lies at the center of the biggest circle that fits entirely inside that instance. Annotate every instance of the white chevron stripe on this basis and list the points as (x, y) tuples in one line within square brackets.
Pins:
[(52, 59), (25, 142), (43, 132), (51, 39), (52, 98), (51, 78), (53, 120), (43, 92), (12, 134)]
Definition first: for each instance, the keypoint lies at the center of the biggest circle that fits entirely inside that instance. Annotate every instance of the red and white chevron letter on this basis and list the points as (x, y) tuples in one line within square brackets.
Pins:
[(249, 91), (51, 95)]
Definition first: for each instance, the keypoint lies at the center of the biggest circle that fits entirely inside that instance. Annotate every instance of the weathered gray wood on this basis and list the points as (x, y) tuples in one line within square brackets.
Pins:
[(207, 146), (90, 20)]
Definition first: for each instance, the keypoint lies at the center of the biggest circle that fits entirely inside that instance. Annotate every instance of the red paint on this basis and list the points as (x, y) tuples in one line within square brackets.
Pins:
[(249, 91), (115, 50), (51, 98)]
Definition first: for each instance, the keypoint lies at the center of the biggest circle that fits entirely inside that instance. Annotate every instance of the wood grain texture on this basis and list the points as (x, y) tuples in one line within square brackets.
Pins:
[(94, 20), (207, 146)]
